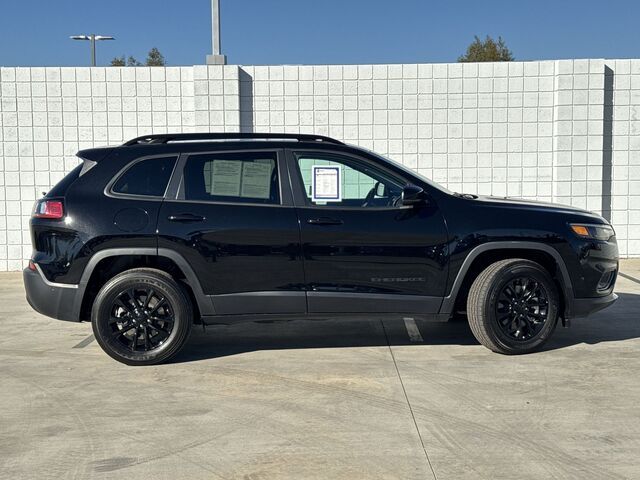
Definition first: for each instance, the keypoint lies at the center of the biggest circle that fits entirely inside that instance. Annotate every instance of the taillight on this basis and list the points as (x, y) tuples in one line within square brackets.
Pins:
[(32, 266), (49, 209)]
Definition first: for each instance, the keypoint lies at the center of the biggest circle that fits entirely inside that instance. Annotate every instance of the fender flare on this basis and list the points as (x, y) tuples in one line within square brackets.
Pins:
[(204, 303), (449, 301)]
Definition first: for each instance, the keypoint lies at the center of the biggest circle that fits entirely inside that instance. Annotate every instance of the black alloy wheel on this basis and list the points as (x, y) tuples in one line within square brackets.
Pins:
[(513, 306), (522, 308), (142, 317)]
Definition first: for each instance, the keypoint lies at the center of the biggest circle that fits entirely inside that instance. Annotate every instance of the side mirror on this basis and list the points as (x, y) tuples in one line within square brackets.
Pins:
[(413, 195)]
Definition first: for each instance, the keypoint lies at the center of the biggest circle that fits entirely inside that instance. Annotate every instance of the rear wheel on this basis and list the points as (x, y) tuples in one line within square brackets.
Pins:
[(513, 306), (142, 317)]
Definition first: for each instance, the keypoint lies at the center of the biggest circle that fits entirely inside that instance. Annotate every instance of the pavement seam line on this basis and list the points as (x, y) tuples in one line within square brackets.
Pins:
[(628, 277), (404, 391), (85, 342)]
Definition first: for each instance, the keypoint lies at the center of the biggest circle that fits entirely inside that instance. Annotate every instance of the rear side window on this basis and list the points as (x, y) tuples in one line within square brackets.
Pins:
[(146, 177), (250, 177)]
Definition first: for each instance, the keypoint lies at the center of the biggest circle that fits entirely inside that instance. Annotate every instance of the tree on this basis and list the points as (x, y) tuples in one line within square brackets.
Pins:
[(118, 62), (487, 51), (155, 58)]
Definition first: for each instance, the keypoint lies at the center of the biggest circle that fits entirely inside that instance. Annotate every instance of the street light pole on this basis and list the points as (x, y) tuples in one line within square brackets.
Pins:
[(217, 58), (93, 49), (93, 38), (215, 25)]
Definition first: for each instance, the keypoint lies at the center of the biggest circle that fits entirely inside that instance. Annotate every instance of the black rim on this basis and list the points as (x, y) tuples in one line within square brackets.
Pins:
[(141, 319), (522, 308)]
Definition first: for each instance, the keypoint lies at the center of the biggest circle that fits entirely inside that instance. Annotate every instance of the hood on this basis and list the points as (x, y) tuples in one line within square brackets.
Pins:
[(536, 205)]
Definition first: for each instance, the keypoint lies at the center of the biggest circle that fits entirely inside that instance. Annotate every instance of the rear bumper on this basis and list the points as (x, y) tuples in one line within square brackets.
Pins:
[(581, 307), (54, 300)]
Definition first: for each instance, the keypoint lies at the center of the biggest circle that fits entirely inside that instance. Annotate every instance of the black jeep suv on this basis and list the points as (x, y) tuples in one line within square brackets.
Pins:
[(166, 231)]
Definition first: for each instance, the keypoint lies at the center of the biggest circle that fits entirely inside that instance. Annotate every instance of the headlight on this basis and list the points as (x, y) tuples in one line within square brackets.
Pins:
[(597, 232)]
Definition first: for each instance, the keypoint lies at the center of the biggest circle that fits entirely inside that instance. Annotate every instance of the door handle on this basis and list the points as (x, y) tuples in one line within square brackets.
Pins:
[(186, 217), (324, 221)]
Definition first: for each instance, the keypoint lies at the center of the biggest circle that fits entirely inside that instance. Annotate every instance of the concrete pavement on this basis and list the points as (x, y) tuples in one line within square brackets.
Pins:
[(322, 400)]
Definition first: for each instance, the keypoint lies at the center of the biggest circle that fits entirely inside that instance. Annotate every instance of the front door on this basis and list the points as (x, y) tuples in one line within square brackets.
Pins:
[(363, 250), (233, 221)]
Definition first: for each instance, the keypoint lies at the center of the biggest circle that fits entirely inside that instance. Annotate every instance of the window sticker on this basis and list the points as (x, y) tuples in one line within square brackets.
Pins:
[(232, 178), (226, 177), (327, 182), (256, 179)]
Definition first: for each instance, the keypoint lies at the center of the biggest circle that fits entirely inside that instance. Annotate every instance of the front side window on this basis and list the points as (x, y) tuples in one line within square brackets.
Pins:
[(336, 181), (250, 177), (146, 177)]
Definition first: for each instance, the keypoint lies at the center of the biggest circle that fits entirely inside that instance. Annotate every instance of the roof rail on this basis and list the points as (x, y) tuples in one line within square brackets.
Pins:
[(187, 137)]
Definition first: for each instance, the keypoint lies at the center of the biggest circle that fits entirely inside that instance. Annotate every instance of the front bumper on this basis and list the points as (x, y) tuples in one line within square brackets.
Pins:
[(54, 300), (581, 307)]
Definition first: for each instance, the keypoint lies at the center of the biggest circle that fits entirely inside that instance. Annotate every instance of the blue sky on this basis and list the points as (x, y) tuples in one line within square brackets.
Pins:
[(35, 32)]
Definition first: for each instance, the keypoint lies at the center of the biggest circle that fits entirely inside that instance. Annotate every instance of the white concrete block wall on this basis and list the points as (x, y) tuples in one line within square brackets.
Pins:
[(625, 200), (484, 128), (563, 131)]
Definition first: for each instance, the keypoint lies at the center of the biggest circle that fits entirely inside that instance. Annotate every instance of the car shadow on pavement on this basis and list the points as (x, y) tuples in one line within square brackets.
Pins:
[(619, 322)]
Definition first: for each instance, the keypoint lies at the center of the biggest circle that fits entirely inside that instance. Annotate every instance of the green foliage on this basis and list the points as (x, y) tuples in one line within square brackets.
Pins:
[(487, 51), (155, 58), (118, 62)]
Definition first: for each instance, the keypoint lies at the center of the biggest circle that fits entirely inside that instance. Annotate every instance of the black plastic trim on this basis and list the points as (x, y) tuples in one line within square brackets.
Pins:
[(163, 138), (204, 303), (48, 298), (449, 301), (267, 302), (586, 306), (290, 317), (349, 302)]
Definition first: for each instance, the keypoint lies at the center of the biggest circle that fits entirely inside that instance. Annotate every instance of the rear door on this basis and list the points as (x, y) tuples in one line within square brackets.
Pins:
[(364, 252), (232, 218)]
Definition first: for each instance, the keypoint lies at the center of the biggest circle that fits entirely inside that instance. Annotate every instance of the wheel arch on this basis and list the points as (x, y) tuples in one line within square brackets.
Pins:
[(107, 263), (483, 255)]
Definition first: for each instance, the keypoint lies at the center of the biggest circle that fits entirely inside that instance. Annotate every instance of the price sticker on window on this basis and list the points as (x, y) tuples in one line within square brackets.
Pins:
[(327, 183)]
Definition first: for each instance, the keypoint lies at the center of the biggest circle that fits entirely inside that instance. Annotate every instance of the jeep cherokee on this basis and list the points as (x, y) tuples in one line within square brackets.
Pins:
[(165, 231)]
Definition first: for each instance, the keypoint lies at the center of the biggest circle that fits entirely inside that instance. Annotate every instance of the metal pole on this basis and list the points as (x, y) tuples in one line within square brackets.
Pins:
[(216, 58), (93, 49), (215, 23)]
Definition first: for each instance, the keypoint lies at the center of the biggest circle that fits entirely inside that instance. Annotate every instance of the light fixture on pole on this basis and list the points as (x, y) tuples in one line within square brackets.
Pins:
[(93, 38), (217, 58)]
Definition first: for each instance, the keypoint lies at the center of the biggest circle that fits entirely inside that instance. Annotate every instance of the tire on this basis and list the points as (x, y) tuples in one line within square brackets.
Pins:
[(513, 306), (142, 317)]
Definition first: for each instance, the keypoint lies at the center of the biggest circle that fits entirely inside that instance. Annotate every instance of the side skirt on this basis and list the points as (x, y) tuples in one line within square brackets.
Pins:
[(289, 317)]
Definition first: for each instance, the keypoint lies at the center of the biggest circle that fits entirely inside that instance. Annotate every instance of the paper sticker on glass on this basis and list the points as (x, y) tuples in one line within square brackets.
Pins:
[(327, 183)]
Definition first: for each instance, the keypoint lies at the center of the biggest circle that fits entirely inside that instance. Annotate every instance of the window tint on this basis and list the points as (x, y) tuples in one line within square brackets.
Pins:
[(146, 177), (250, 177), (333, 180)]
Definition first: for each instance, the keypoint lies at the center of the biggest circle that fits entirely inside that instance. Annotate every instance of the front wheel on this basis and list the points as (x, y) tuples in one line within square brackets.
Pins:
[(141, 317), (513, 306)]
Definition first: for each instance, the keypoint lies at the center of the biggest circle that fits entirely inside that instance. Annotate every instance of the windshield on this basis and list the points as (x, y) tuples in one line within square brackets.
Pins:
[(406, 169)]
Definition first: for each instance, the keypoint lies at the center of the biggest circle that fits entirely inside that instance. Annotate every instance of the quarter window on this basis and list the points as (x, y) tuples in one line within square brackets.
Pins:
[(235, 177), (147, 177)]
